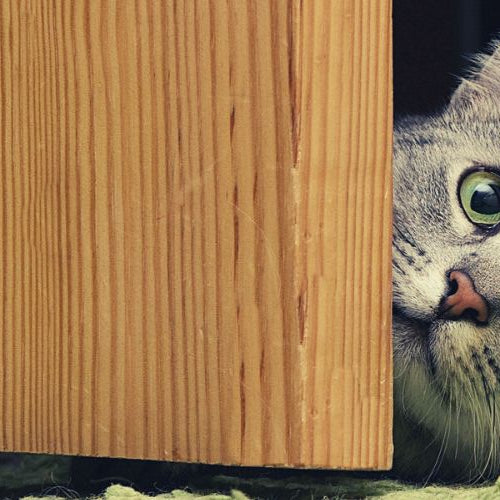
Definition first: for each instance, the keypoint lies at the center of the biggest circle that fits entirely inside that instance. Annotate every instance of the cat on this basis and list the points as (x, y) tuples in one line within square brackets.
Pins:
[(446, 285)]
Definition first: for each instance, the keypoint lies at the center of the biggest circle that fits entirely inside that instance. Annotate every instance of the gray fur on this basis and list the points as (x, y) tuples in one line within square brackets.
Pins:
[(447, 373)]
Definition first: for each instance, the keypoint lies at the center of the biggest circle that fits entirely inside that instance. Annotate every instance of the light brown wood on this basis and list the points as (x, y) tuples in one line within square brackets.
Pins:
[(195, 230)]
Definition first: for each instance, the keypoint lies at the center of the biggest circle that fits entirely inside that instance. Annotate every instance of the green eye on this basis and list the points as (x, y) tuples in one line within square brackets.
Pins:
[(480, 198)]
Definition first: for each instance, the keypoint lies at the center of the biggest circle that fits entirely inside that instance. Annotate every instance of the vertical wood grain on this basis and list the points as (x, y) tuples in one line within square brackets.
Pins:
[(344, 139), (195, 230)]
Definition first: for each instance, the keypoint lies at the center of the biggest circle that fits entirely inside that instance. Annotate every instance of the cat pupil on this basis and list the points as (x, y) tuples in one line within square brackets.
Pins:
[(486, 199)]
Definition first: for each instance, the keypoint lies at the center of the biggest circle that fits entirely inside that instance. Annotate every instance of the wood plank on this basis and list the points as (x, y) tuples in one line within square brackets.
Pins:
[(344, 228), (195, 230)]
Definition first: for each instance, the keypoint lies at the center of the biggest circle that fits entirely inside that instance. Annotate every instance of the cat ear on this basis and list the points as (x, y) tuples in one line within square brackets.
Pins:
[(481, 88)]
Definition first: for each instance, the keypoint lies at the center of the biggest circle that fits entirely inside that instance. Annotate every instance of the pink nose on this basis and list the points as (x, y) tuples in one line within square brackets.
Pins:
[(464, 299)]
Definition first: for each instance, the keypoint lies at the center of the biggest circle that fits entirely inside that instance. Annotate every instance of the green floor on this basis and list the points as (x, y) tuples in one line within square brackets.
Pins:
[(42, 476)]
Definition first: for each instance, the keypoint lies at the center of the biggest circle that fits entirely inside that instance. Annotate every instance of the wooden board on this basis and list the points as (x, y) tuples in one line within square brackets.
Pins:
[(195, 230)]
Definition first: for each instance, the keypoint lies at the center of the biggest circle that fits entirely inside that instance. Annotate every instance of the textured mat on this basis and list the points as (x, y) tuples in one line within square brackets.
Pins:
[(48, 477), (117, 492)]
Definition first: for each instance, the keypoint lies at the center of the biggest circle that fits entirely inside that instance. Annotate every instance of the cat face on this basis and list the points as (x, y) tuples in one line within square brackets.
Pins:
[(446, 279)]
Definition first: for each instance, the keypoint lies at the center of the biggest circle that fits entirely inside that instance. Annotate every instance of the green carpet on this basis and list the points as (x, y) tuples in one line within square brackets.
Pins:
[(49, 477), (393, 491)]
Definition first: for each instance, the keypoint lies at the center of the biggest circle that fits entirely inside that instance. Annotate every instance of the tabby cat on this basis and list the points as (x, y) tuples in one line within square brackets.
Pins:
[(446, 262)]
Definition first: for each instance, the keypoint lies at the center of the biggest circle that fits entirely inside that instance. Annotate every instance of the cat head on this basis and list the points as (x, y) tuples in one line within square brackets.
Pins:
[(446, 279)]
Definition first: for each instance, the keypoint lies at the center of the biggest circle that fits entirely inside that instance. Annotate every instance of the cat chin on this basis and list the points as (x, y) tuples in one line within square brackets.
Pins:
[(435, 440), (443, 445), (446, 408), (439, 435)]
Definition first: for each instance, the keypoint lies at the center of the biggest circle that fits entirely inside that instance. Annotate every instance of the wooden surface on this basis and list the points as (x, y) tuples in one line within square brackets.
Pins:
[(195, 230)]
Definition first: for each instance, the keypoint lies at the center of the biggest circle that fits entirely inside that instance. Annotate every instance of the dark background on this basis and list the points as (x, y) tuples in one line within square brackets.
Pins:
[(432, 40)]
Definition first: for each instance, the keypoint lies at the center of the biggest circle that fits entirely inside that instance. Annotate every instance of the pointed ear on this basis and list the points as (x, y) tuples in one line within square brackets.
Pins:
[(480, 90)]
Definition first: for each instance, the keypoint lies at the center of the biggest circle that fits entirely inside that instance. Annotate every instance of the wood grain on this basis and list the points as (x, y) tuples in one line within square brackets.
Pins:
[(195, 230)]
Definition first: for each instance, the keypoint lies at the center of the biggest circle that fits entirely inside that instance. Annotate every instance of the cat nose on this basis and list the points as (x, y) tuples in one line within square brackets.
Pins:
[(463, 301)]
